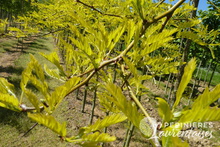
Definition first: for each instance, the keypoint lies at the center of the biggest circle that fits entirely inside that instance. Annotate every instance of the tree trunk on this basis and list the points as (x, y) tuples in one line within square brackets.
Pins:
[(186, 48), (206, 75), (213, 72)]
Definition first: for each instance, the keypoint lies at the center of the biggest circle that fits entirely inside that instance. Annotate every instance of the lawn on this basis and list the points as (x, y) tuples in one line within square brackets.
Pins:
[(12, 124), (7, 43), (204, 74)]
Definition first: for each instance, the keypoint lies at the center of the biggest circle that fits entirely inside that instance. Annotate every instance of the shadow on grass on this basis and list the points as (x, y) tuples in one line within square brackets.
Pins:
[(15, 80), (26, 47), (39, 44), (17, 120), (12, 70), (16, 83), (10, 51)]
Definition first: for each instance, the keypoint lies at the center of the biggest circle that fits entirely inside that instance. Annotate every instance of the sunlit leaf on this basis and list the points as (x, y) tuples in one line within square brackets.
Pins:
[(201, 110), (60, 92), (53, 73), (123, 104), (33, 99), (107, 121), (164, 110), (94, 137), (170, 141), (188, 71), (50, 122), (53, 58), (6, 87), (9, 102)]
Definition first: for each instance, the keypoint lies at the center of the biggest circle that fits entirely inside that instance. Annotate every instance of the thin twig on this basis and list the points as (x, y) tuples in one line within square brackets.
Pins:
[(162, 1), (165, 22), (30, 129), (93, 8)]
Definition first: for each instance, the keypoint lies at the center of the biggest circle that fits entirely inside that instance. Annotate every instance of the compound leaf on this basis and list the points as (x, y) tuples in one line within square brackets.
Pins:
[(9, 102), (107, 121), (33, 99), (123, 104), (50, 122), (164, 110), (188, 71), (6, 87), (93, 138)]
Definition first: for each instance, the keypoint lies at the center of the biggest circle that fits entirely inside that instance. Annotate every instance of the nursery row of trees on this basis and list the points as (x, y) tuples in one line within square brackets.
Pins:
[(13, 8), (112, 47), (211, 20)]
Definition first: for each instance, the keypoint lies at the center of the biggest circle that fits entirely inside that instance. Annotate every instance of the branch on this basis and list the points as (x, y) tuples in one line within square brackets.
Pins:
[(146, 24), (181, 19), (169, 12), (162, 1), (155, 140), (82, 74), (103, 64), (166, 21), (93, 8), (27, 109)]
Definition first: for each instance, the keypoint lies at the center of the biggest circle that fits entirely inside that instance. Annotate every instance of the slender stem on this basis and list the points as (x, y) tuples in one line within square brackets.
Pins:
[(154, 141), (93, 8), (94, 101), (93, 106), (168, 81), (128, 138), (30, 129), (126, 135), (84, 98), (137, 101), (77, 93), (207, 73), (212, 75), (158, 85)]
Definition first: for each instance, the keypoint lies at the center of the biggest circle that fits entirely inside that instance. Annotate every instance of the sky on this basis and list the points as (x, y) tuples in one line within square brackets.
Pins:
[(202, 4)]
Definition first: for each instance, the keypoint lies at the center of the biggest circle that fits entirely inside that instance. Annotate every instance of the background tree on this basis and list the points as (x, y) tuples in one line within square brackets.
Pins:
[(211, 19), (186, 43)]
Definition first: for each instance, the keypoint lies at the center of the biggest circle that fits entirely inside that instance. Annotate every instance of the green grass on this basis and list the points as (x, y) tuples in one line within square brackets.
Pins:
[(44, 45), (203, 72), (13, 124), (6, 44)]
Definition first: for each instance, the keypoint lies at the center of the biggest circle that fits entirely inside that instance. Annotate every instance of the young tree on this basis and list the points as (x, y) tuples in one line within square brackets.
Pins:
[(107, 38)]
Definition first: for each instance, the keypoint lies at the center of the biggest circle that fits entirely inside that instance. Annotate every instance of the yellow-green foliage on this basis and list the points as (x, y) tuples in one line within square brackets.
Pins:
[(8, 98), (50, 122), (93, 36), (188, 71)]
